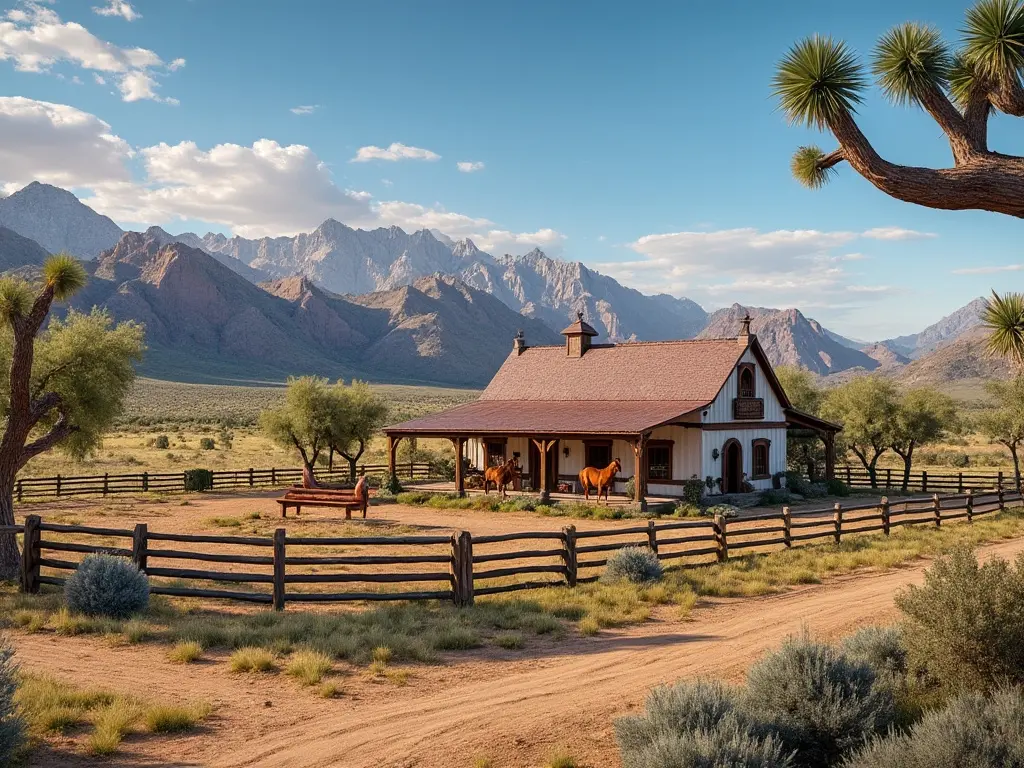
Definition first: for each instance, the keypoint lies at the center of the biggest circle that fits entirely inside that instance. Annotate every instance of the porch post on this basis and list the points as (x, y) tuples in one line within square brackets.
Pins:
[(830, 455), (542, 449), (460, 479), (392, 451), (640, 475)]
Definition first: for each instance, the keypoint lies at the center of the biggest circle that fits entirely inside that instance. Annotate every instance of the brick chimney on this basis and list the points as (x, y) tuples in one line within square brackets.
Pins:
[(519, 342), (744, 336)]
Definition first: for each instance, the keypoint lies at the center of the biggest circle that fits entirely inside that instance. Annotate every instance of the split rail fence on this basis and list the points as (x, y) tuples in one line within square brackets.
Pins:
[(926, 481), (146, 482), (299, 569)]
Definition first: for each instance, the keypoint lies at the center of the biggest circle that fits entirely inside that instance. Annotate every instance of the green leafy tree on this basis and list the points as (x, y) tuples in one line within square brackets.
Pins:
[(1005, 422), (1003, 317), (303, 421), (867, 409), (66, 382), (360, 412), (820, 82), (804, 452), (923, 415)]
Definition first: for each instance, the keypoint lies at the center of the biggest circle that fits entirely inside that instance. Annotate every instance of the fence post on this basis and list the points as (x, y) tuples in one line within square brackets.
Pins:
[(279, 554), (273, 476), (884, 507), (837, 518), (19, 490), (787, 527), (250, 478), (106, 481), (30, 555), (140, 546), (722, 537), (888, 477), (145, 481), (849, 476), (937, 509), (970, 506), (1002, 502), (999, 481), (652, 537), (959, 482), (924, 481), (466, 552), (58, 483), (569, 554)]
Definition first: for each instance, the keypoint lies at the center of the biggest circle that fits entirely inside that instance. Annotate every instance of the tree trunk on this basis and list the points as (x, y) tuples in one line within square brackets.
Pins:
[(1016, 467), (908, 461), (352, 469), (10, 556)]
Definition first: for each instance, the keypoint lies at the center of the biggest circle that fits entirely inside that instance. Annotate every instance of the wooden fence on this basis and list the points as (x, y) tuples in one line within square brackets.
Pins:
[(145, 482), (926, 481), (279, 570)]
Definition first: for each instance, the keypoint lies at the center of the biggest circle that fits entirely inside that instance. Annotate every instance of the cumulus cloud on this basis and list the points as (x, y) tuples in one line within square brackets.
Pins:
[(57, 144), (35, 39), (467, 167), (120, 8), (306, 109), (897, 233), (393, 153), (989, 270)]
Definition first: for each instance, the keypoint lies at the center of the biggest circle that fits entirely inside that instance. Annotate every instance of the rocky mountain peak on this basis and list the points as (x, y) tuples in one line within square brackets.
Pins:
[(56, 219)]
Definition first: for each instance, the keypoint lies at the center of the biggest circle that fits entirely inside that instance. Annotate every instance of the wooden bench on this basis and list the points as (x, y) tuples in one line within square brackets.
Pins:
[(296, 498)]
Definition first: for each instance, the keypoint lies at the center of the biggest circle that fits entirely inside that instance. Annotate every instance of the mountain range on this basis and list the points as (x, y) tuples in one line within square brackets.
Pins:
[(388, 304)]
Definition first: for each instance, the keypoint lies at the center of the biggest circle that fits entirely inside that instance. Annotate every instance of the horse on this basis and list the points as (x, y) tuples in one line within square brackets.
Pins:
[(602, 479), (501, 476)]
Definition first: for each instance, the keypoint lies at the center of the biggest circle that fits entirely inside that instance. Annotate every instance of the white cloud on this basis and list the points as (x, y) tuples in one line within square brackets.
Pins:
[(897, 233), (387, 182), (989, 270), (393, 153), (306, 109), (34, 38), (120, 8), (100, 80), (467, 167), (175, 65), (57, 144)]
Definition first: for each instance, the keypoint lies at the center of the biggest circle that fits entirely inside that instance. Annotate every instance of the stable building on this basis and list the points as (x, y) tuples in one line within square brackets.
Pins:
[(709, 408)]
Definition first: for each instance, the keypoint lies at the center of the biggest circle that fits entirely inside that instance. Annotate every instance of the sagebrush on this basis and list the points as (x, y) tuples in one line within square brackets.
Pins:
[(638, 565), (105, 585), (12, 727)]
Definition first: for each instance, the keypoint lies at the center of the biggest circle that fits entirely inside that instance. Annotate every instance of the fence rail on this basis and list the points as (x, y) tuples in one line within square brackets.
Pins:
[(457, 567), (926, 481), (146, 482)]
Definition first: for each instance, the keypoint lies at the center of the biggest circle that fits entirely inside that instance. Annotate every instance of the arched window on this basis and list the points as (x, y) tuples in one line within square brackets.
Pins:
[(746, 383), (760, 463)]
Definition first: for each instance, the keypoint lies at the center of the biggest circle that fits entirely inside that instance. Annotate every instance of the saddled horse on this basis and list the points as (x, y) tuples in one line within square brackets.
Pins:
[(602, 479), (501, 476)]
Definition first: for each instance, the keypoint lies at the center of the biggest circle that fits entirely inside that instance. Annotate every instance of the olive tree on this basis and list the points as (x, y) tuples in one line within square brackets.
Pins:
[(804, 452), (923, 415), (303, 421), (358, 414), (66, 381), (1005, 422), (867, 409), (820, 82)]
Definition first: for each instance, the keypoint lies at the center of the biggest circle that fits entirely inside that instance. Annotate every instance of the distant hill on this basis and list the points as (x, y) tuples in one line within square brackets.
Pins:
[(789, 338), (56, 220), (963, 359), (949, 328), (17, 251)]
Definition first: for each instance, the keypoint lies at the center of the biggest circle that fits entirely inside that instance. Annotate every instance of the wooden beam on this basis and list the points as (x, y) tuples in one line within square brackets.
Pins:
[(543, 446), (460, 479), (829, 439), (640, 470), (393, 442)]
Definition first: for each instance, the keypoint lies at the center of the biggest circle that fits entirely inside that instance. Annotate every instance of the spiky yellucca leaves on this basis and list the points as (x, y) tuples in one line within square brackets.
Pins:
[(806, 167), (994, 38), (1003, 317), (65, 273), (15, 299), (909, 60), (817, 80)]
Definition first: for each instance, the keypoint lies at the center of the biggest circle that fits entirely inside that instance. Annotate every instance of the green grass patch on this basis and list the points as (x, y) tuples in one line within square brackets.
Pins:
[(488, 503)]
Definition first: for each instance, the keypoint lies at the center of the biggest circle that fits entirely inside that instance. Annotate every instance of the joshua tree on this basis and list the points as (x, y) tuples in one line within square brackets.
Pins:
[(820, 81), (1003, 316)]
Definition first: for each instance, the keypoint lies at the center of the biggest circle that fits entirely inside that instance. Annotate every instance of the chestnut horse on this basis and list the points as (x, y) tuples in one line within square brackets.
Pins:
[(602, 479), (501, 476)]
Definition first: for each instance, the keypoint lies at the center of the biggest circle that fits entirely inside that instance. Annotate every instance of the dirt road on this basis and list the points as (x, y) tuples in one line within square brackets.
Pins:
[(514, 711)]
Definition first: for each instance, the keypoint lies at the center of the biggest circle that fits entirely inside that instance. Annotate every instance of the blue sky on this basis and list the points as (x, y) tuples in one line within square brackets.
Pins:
[(639, 138)]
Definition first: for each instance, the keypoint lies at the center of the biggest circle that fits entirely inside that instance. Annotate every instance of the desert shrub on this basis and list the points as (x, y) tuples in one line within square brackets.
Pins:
[(972, 730), (186, 651), (819, 702), (198, 479), (207, 444), (415, 498), (772, 497), (837, 487), (796, 482), (630, 488), (693, 490), (389, 485), (520, 504), (638, 565), (965, 626), (696, 724), (226, 438), (12, 727), (881, 648), (252, 659), (163, 442), (725, 510), (104, 585), (816, 490), (443, 467)]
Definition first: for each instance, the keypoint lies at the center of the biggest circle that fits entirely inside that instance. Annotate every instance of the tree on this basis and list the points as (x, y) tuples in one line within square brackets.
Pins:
[(66, 383), (360, 412), (923, 415), (819, 83), (804, 452), (304, 420), (1005, 423), (1003, 317), (867, 408)]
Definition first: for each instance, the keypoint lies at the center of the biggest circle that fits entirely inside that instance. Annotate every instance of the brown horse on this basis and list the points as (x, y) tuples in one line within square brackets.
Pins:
[(501, 476), (602, 479)]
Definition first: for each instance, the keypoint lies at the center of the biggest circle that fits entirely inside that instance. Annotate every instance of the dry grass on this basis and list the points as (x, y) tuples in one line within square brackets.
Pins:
[(252, 659), (165, 718), (186, 652), (309, 667)]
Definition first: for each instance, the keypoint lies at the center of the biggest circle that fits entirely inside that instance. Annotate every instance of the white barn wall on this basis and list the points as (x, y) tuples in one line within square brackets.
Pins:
[(720, 411), (716, 440)]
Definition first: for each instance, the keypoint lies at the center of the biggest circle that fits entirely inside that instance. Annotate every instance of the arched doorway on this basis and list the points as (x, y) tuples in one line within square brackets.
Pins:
[(732, 466)]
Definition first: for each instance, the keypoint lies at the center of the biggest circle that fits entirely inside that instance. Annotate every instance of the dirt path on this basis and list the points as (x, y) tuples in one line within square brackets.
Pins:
[(513, 711)]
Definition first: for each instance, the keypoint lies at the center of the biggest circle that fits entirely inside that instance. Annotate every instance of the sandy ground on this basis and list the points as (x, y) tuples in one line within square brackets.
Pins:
[(512, 707)]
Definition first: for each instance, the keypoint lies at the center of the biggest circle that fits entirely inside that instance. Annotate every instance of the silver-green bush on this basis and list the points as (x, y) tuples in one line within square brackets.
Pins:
[(636, 564), (819, 702), (105, 585), (973, 731), (881, 648), (696, 725), (12, 727)]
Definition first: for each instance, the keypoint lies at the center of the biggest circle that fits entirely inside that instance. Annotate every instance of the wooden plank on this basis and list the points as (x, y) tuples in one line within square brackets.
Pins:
[(175, 554), (748, 544), (61, 565), (755, 531), (812, 523), (189, 573), (864, 529), (354, 541), (688, 553), (590, 564), (516, 587), (366, 560), (336, 597), (685, 540), (67, 546), (610, 547), (497, 573), (383, 578), (517, 536), (87, 530), (709, 523), (54, 580), (914, 521), (523, 555), (611, 532), (249, 597), (816, 535), (249, 541)]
